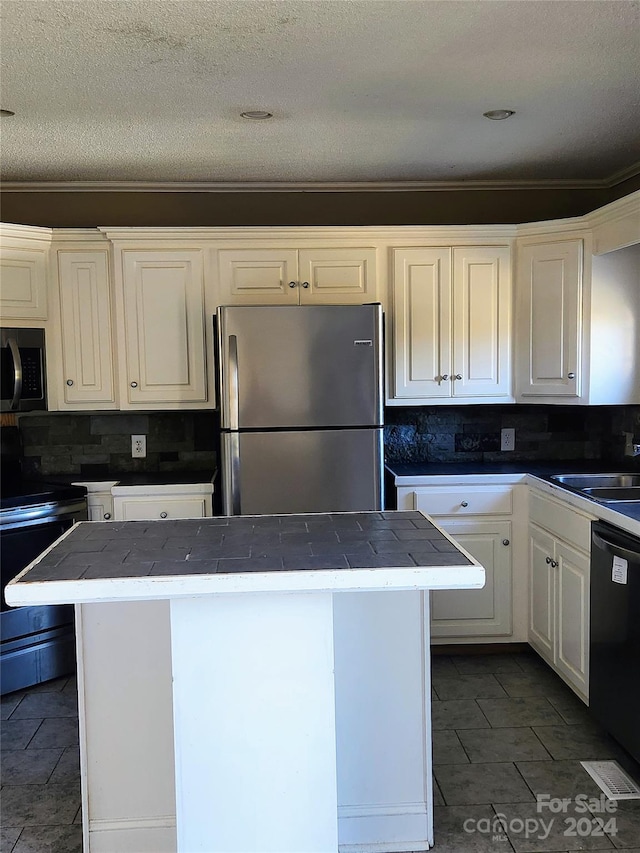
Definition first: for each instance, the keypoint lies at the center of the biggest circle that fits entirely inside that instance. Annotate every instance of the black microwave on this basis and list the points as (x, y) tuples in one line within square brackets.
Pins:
[(23, 385)]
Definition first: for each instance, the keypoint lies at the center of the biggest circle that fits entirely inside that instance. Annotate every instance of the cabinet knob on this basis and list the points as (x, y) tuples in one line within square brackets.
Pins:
[(69, 382), (554, 564), (505, 542), (107, 516), (444, 377), (464, 503), (571, 375), (292, 284), (458, 376), (305, 284), (134, 384), (163, 515), (548, 561)]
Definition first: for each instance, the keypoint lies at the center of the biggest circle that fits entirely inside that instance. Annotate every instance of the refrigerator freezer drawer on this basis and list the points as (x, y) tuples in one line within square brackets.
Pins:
[(302, 471)]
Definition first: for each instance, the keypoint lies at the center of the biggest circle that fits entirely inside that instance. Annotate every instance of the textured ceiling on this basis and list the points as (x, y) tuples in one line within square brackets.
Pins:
[(373, 91)]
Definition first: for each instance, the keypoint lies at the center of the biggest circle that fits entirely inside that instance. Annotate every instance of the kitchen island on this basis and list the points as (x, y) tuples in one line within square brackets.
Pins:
[(253, 683)]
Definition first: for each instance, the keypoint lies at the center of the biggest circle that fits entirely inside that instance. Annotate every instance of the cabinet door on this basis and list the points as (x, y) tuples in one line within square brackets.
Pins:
[(87, 342), (572, 616), (340, 275), (550, 297), (258, 276), (542, 591), (163, 308), (24, 284), (100, 506), (422, 322), (481, 322), (140, 509), (477, 612)]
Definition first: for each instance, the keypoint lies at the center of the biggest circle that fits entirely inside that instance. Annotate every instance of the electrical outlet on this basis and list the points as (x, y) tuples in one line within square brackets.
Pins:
[(507, 439), (138, 446)]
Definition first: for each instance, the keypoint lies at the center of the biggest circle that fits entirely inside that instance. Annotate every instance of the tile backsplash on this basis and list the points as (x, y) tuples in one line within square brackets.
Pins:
[(472, 433), (97, 445)]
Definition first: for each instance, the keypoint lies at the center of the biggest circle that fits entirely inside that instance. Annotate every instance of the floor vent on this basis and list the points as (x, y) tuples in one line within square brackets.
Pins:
[(612, 779)]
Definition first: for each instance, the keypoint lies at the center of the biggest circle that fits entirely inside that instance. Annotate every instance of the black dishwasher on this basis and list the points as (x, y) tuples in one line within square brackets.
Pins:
[(614, 667)]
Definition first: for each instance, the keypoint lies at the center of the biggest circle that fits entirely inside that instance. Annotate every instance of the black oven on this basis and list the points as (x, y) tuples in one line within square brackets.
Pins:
[(36, 643), (22, 370)]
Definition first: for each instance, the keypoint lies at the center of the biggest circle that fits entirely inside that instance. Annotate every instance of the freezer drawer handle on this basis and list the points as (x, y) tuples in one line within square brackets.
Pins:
[(616, 550)]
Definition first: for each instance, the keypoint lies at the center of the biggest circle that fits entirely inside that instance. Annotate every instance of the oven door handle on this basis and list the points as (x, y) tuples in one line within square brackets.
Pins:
[(17, 373), (615, 549)]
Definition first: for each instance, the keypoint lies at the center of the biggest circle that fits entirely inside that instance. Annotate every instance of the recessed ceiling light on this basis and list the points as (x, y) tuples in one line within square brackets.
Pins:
[(6, 113), (498, 115), (256, 115)]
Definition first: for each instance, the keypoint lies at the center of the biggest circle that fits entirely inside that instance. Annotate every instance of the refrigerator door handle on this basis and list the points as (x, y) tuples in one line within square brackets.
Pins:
[(234, 405)]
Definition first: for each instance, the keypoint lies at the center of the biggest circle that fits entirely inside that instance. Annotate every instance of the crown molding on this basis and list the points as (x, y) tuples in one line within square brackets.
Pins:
[(399, 235), (313, 187), (27, 234)]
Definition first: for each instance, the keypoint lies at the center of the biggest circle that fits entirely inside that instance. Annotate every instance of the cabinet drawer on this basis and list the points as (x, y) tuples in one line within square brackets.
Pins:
[(563, 521), (464, 501), (135, 509)]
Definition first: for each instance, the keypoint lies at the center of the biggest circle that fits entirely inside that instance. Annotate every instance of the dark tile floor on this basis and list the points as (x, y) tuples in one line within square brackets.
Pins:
[(40, 770), (506, 730)]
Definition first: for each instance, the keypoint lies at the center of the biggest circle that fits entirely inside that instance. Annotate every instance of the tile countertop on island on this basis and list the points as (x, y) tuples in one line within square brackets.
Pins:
[(139, 560), (538, 474)]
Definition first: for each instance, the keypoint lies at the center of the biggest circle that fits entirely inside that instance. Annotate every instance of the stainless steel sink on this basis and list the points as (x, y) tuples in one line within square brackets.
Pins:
[(631, 493), (596, 481), (605, 488)]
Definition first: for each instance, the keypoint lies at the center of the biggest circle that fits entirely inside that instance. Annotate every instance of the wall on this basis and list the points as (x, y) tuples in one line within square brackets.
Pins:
[(99, 445), (472, 433), (446, 206)]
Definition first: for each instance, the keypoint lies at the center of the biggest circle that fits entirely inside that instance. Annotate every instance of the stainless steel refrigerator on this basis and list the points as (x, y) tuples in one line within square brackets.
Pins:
[(301, 408)]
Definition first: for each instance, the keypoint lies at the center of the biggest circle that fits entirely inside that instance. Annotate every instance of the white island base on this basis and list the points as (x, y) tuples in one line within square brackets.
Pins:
[(376, 793), (254, 711)]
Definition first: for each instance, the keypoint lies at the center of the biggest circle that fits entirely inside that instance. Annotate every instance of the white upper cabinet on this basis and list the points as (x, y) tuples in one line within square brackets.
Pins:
[(160, 312), (285, 276), (452, 324), (549, 284), (577, 319), (422, 322), (86, 374), (23, 272)]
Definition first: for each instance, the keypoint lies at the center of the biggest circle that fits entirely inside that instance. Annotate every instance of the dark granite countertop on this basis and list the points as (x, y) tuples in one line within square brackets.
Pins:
[(154, 478), (220, 545), (538, 468)]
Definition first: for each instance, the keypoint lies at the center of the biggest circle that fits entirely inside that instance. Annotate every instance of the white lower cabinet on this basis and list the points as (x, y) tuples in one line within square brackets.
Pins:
[(107, 500), (481, 519), (559, 539), (139, 503), (99, 499), (477, 612)]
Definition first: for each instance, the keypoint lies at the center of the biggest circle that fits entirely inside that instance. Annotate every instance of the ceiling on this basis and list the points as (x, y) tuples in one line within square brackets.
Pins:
[(362, 91)]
